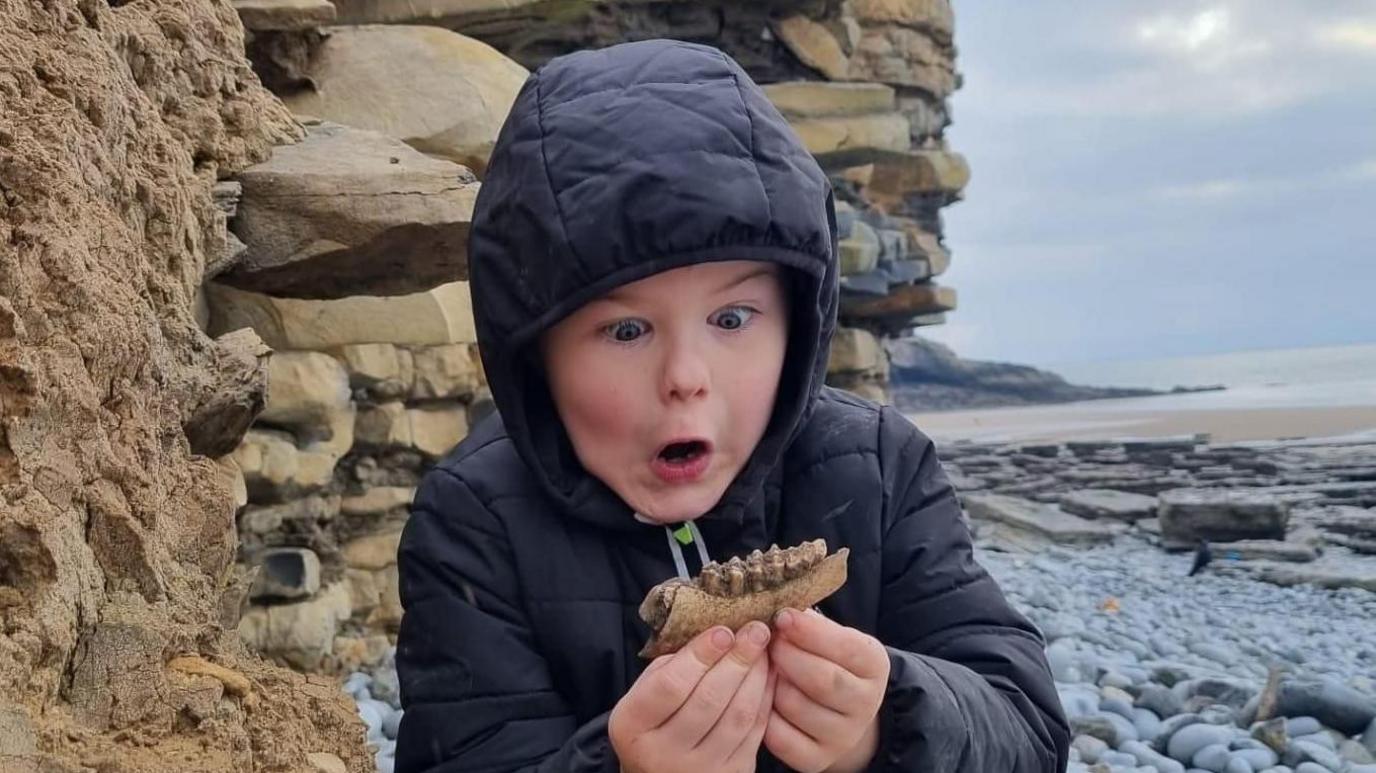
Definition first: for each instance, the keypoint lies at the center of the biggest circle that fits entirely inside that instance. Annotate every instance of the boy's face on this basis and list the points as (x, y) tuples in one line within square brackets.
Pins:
[(693, 353)]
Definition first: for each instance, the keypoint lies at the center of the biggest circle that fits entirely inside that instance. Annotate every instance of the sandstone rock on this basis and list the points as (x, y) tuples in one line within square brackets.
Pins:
[(440, 92), (902, 302), (934, 16), (897, 175), (298, 515), (860, 252), (854, 139), (817, 99), (813, 44), (389, 610), (384, 370), (440, 315), (301, 634), (18, 739), (364, 593), (284, 14), (447, 370), (350, 212), (446, 12), (854, 350), (227, 396), (286, 573), (436, 429), (234, 477), (1189, 515), (276, 470), (324, 762), (356, 653), (1326, 572), (305, 389), (1045, 521), (373, 552), (1106, 503), (385, 425), (905, 57), (376, 500)]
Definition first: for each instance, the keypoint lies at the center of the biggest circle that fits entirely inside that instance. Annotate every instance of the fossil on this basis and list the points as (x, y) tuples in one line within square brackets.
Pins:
[(738, 591)]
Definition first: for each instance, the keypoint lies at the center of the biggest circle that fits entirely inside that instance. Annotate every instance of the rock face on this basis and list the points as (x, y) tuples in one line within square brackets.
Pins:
[(116, 537)]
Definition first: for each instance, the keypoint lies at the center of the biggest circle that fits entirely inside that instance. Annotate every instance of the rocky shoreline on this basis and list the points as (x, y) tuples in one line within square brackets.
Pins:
[(927, 376), (1263, 660)]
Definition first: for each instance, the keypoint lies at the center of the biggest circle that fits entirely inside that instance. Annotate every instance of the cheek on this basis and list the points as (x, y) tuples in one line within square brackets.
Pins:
[(597, 405)]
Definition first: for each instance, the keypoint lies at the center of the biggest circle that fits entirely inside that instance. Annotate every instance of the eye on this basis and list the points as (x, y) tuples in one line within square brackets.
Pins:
[(625, 330), (735, 317)]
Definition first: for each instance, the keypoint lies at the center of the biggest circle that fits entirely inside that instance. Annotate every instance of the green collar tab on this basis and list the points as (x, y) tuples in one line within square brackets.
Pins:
[(683, 534)]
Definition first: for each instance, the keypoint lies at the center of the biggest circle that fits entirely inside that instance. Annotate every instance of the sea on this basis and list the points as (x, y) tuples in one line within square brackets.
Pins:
[(1327, 376)]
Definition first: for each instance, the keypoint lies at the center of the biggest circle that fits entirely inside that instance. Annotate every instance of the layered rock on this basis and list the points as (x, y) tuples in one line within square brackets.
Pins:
[(118, 592)]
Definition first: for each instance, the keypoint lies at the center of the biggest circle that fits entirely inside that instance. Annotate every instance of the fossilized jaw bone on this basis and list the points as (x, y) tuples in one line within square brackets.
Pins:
[(738, 591)]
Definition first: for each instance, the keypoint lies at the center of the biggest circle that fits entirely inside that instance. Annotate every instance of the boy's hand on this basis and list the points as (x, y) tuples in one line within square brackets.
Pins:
[(826, 704), (704, 707)]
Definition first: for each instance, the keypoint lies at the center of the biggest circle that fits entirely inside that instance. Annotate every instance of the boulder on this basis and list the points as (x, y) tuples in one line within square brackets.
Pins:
[(373, 552), (860, 252), (228, 396), (440, 92), (385, 425), (818, 99), (440, 315), (301, 634), (934, 16), (1220, 515), (436, 429), (903, 301), (903, 56), (1106, 503), (305, 389), (351, 212), (1042, 521), (854, 138), (376, 500), (444, 371), (275, 470), (813, 44), (384, 370)]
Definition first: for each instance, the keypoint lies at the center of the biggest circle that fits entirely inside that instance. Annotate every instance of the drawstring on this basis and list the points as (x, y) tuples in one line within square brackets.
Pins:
[(679, 562), (676, 550)]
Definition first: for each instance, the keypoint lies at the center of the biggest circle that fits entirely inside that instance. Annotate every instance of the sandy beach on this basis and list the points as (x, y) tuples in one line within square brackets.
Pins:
[(1102, 419)]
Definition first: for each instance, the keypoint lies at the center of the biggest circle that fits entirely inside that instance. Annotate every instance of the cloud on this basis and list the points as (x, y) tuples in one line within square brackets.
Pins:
[(1353, 35)]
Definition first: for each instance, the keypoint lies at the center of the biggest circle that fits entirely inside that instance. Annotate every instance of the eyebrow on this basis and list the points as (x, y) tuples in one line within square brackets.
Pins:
[(616, 295)]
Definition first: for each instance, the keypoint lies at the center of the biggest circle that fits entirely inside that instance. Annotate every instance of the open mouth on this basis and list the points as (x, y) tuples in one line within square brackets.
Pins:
[(683, 451)]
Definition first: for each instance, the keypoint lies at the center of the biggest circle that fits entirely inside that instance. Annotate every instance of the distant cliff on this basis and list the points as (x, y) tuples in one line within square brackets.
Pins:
[(927, 376)]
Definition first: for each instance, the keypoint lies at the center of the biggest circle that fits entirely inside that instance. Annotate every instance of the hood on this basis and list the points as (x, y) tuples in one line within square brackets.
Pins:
[(622, 162)]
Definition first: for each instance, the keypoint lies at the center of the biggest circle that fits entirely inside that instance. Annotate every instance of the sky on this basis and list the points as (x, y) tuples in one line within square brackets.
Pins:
[(1162, 179)]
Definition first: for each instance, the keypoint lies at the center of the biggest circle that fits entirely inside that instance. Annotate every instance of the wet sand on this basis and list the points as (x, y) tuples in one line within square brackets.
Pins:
[(1104, 419)]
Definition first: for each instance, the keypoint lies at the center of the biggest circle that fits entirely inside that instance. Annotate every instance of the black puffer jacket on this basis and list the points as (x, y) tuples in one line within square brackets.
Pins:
[(521, 573)]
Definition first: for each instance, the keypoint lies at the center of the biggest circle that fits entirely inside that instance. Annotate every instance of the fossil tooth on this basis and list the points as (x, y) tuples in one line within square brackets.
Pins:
[(738, 591)]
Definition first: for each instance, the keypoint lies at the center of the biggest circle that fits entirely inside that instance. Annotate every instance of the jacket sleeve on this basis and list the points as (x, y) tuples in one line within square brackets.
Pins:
[(477, 693), (969, 688)]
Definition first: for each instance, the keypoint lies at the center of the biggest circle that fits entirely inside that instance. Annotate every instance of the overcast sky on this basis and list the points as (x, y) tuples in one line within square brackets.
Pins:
[(1161, 179)]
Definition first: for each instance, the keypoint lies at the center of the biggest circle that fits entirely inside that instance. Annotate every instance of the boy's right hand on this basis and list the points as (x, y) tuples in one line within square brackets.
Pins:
[(704, 707)]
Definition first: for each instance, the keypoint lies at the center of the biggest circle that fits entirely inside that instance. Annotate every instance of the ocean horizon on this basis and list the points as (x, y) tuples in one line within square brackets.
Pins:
[(1322, 376)]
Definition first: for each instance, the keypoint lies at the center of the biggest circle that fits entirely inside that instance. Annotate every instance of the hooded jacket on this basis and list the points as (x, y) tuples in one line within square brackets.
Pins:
[(521, 573)]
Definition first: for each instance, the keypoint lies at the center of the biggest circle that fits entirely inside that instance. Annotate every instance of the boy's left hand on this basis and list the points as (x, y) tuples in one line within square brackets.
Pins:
[(831, 682)]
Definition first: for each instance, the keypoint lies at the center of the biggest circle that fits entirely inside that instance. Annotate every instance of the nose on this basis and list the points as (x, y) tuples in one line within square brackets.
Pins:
[(685, 373)]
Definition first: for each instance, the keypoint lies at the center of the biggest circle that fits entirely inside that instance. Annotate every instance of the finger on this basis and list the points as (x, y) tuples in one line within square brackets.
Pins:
[(792, 746), (736, 722), (814, 719), (821, 680), (662, 689), (750, 746), (853, 650), (713, 693)]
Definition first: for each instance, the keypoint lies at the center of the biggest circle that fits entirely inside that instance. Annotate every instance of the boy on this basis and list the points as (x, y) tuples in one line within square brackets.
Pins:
[(654, 281)]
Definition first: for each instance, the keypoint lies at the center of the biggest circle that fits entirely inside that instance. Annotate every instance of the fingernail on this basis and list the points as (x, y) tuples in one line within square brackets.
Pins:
[(784, 619), (759, 633), (722, 639)]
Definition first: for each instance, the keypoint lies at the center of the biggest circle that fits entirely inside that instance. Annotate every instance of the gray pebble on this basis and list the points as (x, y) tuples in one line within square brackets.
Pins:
[(1212, 757), (1190, 739), (1089, 748)]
